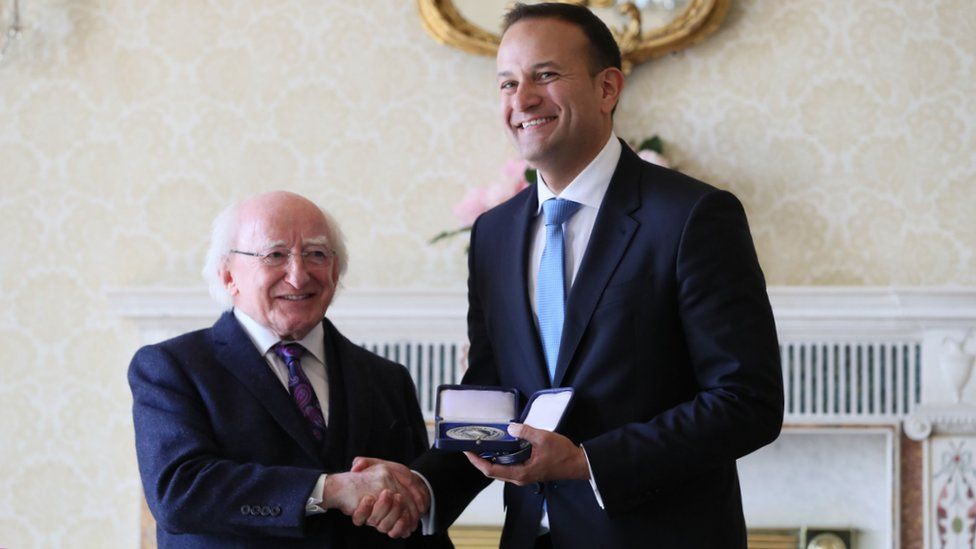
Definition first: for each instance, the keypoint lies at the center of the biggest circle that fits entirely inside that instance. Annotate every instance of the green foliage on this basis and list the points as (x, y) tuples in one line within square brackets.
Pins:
[(653, 143), (448, 234)]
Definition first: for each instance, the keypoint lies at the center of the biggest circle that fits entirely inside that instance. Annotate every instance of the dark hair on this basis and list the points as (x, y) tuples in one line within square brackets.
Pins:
[(604, 51)]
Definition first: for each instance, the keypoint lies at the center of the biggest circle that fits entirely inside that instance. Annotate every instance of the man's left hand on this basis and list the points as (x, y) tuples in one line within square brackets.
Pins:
[(554, 457)]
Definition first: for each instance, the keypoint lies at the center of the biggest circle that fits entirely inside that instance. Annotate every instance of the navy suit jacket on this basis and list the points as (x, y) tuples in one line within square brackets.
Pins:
[(670, 344), (225, 457)]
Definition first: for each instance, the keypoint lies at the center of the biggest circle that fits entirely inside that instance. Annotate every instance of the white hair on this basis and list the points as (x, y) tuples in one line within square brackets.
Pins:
[(223, 234)]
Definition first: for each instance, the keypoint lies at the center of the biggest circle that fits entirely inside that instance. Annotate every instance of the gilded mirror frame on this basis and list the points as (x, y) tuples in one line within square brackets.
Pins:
[(700, 18)]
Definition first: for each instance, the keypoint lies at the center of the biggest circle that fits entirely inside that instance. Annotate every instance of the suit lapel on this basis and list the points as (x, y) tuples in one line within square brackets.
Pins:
[(612, 232), (357, 391), (516, 275), (236, 352)]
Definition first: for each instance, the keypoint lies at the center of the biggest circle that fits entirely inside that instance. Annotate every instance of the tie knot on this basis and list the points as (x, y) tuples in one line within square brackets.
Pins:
[(288, 351), (558, 210)]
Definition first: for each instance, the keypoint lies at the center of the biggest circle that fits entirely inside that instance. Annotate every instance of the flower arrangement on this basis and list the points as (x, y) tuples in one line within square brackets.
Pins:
[(516, 174)]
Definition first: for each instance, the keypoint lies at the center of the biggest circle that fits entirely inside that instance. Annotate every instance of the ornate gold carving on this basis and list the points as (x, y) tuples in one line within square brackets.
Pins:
[(698, 20), (447, 26)]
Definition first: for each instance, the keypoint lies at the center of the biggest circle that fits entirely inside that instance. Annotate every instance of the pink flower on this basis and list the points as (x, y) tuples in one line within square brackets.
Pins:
[(513, 181), (500, 192), (481, 199), (514, 169), (474, 203), (653, 157)]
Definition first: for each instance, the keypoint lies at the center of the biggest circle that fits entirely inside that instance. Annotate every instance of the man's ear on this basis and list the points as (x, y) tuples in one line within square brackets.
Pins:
[(335, 274), (611, 82), (228, 279)]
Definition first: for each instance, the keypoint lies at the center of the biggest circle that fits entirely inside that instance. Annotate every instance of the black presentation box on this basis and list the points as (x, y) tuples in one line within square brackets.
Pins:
[(475, 418)]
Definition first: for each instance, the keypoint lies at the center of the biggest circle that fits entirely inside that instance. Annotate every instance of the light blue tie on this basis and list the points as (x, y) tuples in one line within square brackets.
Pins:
[(550, 288)]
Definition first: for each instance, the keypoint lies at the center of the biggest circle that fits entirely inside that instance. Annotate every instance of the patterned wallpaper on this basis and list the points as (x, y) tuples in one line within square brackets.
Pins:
[(847, 128)]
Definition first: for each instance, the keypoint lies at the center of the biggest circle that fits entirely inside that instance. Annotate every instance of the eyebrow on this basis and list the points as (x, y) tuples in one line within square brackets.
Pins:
[(314, 241), (536, 67)]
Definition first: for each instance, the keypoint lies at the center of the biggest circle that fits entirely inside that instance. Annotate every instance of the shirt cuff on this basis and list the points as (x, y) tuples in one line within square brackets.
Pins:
[(596, 491), (314, 504), (427, 521)]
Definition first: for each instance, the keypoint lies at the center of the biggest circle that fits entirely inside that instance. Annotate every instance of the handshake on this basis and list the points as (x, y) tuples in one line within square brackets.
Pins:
[(391, 498), (382, 494)]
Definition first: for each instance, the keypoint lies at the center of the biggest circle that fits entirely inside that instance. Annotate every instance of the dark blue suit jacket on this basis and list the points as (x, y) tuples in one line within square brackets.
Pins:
[(670, 344), (225, 457)]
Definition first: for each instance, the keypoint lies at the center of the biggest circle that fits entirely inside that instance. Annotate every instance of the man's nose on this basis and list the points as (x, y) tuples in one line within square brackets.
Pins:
[(526, 96), (296, 273)]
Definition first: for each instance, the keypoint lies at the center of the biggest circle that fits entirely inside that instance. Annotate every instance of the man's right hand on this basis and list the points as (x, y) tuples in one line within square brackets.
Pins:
[(381, 499)]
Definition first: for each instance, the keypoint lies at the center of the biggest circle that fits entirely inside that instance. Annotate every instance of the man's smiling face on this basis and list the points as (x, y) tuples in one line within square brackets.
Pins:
[(553, 108), (292, 298)]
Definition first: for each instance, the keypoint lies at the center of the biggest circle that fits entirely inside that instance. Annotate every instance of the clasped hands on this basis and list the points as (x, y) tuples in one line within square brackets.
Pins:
[(382, 494), (391, 498)]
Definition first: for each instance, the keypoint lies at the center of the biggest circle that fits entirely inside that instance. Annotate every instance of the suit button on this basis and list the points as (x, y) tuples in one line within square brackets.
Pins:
[(265, 511), (255, 510), (245, 509), (276, 510)]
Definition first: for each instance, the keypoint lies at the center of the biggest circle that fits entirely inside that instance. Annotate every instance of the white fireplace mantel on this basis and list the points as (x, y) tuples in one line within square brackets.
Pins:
[(799, 310), (876, 320)]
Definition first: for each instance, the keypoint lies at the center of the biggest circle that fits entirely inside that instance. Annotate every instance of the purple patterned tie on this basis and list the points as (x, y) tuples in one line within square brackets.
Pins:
[(300, 389)]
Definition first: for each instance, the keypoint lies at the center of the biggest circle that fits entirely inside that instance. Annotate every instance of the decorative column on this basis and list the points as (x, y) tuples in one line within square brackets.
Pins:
[(945, 424)]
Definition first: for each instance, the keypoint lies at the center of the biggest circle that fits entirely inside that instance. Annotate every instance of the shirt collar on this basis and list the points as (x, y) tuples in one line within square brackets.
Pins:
[(264, 339), (590, 186)]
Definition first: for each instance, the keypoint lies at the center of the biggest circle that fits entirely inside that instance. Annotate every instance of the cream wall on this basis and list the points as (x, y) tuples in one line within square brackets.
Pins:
[(847, 128)]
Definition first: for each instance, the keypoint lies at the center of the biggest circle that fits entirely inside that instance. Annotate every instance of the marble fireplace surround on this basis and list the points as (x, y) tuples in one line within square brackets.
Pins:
[(881, 417)]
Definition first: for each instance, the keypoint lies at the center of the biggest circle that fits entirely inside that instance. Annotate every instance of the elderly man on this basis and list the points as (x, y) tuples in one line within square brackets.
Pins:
[(636, 286), (246, 431)]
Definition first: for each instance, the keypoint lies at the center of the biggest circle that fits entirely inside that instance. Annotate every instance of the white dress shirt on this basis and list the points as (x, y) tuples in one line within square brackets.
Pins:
[(313, 364), (587, 189)]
